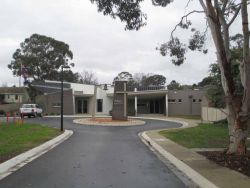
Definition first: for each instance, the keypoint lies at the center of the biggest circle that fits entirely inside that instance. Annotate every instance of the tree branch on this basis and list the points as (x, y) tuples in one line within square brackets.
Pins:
[(184, 17), (224, 6), (235, 15), (187, 4)]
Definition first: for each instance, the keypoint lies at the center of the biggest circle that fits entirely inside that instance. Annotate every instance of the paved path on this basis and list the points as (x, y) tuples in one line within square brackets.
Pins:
[(96, 157)]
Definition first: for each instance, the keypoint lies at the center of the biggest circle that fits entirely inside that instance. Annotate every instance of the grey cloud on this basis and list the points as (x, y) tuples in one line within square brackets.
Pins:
[(99, 43)]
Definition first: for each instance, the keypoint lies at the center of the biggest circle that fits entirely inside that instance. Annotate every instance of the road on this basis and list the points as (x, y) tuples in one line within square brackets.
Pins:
[(96, 156)]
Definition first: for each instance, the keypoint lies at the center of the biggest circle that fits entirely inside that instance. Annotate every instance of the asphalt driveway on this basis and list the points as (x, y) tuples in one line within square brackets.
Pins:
[(96, 156)]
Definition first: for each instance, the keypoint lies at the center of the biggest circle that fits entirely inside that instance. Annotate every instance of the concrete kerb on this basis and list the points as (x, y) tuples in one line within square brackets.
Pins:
[(88, 121), (8, 167), (188, 171), (192, 174)]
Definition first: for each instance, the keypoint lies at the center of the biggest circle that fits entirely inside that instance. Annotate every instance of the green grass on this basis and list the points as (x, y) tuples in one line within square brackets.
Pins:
[(15, 139), (202, 136)]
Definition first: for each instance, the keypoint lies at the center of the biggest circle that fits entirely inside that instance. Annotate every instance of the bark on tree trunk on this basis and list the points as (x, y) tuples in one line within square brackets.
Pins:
[(238, 137), (238, 108)]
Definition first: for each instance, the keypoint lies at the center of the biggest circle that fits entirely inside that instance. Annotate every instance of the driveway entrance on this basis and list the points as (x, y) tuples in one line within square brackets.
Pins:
[(97, 157)]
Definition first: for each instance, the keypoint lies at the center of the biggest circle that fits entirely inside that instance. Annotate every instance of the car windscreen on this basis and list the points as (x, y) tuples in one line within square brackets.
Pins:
[(27, 106)]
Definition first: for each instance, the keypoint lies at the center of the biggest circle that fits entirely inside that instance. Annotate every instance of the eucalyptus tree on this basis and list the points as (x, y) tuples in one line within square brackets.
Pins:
[(42, 57), (173, 85), (220, 15), (123, 76)]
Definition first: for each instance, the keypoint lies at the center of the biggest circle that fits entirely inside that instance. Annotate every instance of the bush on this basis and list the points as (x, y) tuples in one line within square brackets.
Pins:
[(221, 122), (2, 112)]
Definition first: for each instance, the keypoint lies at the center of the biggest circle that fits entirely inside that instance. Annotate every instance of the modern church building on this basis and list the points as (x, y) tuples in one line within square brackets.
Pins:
[(81, 99)]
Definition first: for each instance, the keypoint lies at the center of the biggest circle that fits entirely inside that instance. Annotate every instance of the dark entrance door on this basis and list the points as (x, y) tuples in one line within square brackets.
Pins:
[(85, 106), (152, 107), (157, 107), (82, 106)]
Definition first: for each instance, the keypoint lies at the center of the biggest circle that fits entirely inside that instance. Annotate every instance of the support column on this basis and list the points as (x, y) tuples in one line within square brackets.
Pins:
[(74, 103), (135, 102), (166, 99), (94, 103)]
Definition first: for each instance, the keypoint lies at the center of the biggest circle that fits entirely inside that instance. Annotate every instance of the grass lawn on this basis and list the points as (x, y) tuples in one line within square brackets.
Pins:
[(202, 136), (15, 139)]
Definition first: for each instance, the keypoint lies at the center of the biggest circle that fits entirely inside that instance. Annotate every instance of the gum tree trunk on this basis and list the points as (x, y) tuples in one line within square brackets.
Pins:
[(238, 107), (240, 131)]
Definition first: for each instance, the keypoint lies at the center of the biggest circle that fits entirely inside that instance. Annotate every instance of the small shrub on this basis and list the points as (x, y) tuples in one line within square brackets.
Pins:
[(2, 112), (110, 112), (221, 122)]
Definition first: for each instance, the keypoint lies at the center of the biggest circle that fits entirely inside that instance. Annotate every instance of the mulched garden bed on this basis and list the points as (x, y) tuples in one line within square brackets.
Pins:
[(234, 162), (104, 120)]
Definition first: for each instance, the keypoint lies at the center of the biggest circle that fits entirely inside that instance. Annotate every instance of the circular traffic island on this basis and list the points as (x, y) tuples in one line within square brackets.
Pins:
[(108, 122)]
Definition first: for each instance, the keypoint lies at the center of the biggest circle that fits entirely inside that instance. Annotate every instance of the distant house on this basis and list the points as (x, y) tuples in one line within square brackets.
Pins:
[(12, 97), (79, 99)]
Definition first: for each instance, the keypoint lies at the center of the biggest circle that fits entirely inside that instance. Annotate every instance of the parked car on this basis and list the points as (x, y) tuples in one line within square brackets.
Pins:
[(31, 110)]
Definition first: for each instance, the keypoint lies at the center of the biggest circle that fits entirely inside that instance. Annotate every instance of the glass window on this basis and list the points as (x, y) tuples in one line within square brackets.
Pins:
[(171, 100), (27, 106), (194, 100), (99, 105), (56, 104)]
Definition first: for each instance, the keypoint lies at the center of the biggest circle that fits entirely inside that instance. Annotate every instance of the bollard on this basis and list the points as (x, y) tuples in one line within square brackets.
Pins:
[(14, 117), (7, 117)]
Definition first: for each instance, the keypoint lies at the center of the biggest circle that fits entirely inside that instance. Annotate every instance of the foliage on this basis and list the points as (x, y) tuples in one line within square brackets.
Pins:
[(88, 77), (153, 80), (175, 49), (68, 76), (219, 16), (150, 79), (215, 91), (173, 85), (123, 76), (141, 79), (42, 57), (127, 11), (2, 112)]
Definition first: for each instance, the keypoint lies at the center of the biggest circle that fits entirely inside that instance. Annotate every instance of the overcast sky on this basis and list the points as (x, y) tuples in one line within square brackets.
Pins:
[(99, 43)]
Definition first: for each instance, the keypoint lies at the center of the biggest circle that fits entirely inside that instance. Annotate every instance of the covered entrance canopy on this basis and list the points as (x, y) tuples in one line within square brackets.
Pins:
[(149, 102)]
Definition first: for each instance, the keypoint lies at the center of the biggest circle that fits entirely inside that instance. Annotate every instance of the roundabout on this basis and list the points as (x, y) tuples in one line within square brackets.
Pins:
[(107, 121)]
